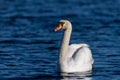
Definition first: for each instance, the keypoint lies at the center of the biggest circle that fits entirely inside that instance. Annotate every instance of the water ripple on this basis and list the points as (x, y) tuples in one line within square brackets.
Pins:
[(29, 46)]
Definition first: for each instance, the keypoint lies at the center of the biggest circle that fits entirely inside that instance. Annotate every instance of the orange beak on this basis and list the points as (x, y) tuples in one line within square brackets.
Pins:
[(58, 27)]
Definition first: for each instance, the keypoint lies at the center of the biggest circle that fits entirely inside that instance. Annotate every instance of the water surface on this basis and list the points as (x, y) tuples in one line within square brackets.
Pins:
[(29, 46)]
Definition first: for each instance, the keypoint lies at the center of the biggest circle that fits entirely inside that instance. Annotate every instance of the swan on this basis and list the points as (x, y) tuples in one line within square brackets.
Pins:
[(74, 57)]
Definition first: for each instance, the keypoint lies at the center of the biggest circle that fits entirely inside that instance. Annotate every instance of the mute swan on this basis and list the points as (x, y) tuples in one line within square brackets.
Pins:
[(76, 57)]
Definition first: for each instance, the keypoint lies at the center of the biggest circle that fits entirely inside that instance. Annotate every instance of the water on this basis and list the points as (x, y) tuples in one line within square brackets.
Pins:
[(29, 46)]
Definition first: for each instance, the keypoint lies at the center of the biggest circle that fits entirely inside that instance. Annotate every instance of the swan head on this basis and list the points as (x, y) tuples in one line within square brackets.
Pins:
[(63, 24)]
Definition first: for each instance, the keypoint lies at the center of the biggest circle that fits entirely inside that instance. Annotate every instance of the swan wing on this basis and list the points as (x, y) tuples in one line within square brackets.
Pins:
[(80, 54)]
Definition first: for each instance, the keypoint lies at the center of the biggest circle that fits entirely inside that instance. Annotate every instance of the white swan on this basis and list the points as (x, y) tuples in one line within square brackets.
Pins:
[(76, 57)]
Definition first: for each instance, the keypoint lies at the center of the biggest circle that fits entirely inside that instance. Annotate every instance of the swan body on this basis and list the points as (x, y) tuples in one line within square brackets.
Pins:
[(74, 57), (79, 59)]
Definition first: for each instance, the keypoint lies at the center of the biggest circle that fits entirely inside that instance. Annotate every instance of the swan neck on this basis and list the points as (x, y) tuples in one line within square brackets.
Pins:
[(65, 44)]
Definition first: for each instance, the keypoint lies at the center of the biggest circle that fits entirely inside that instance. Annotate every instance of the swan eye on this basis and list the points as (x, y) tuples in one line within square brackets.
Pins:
[(62, 23), (60, 26)]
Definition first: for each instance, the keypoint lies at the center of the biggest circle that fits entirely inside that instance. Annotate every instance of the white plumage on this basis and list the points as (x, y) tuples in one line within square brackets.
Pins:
[(79, 58), (76, 57)]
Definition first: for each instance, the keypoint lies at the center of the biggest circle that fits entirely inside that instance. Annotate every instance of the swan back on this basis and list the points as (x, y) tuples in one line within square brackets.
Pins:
[(73, 47), (80, 57)]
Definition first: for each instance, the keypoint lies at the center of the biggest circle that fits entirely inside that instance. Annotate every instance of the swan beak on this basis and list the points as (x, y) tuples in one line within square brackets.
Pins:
[(58, 27)]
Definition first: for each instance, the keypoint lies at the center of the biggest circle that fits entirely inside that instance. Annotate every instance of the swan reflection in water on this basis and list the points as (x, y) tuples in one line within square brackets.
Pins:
[(76, 76)]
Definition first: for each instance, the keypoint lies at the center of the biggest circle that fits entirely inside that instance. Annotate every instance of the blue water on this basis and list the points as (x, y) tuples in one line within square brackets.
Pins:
[(29, 46)]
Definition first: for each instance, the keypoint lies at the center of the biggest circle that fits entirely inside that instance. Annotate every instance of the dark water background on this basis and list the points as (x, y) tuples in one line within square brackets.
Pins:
[(29, 46)]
